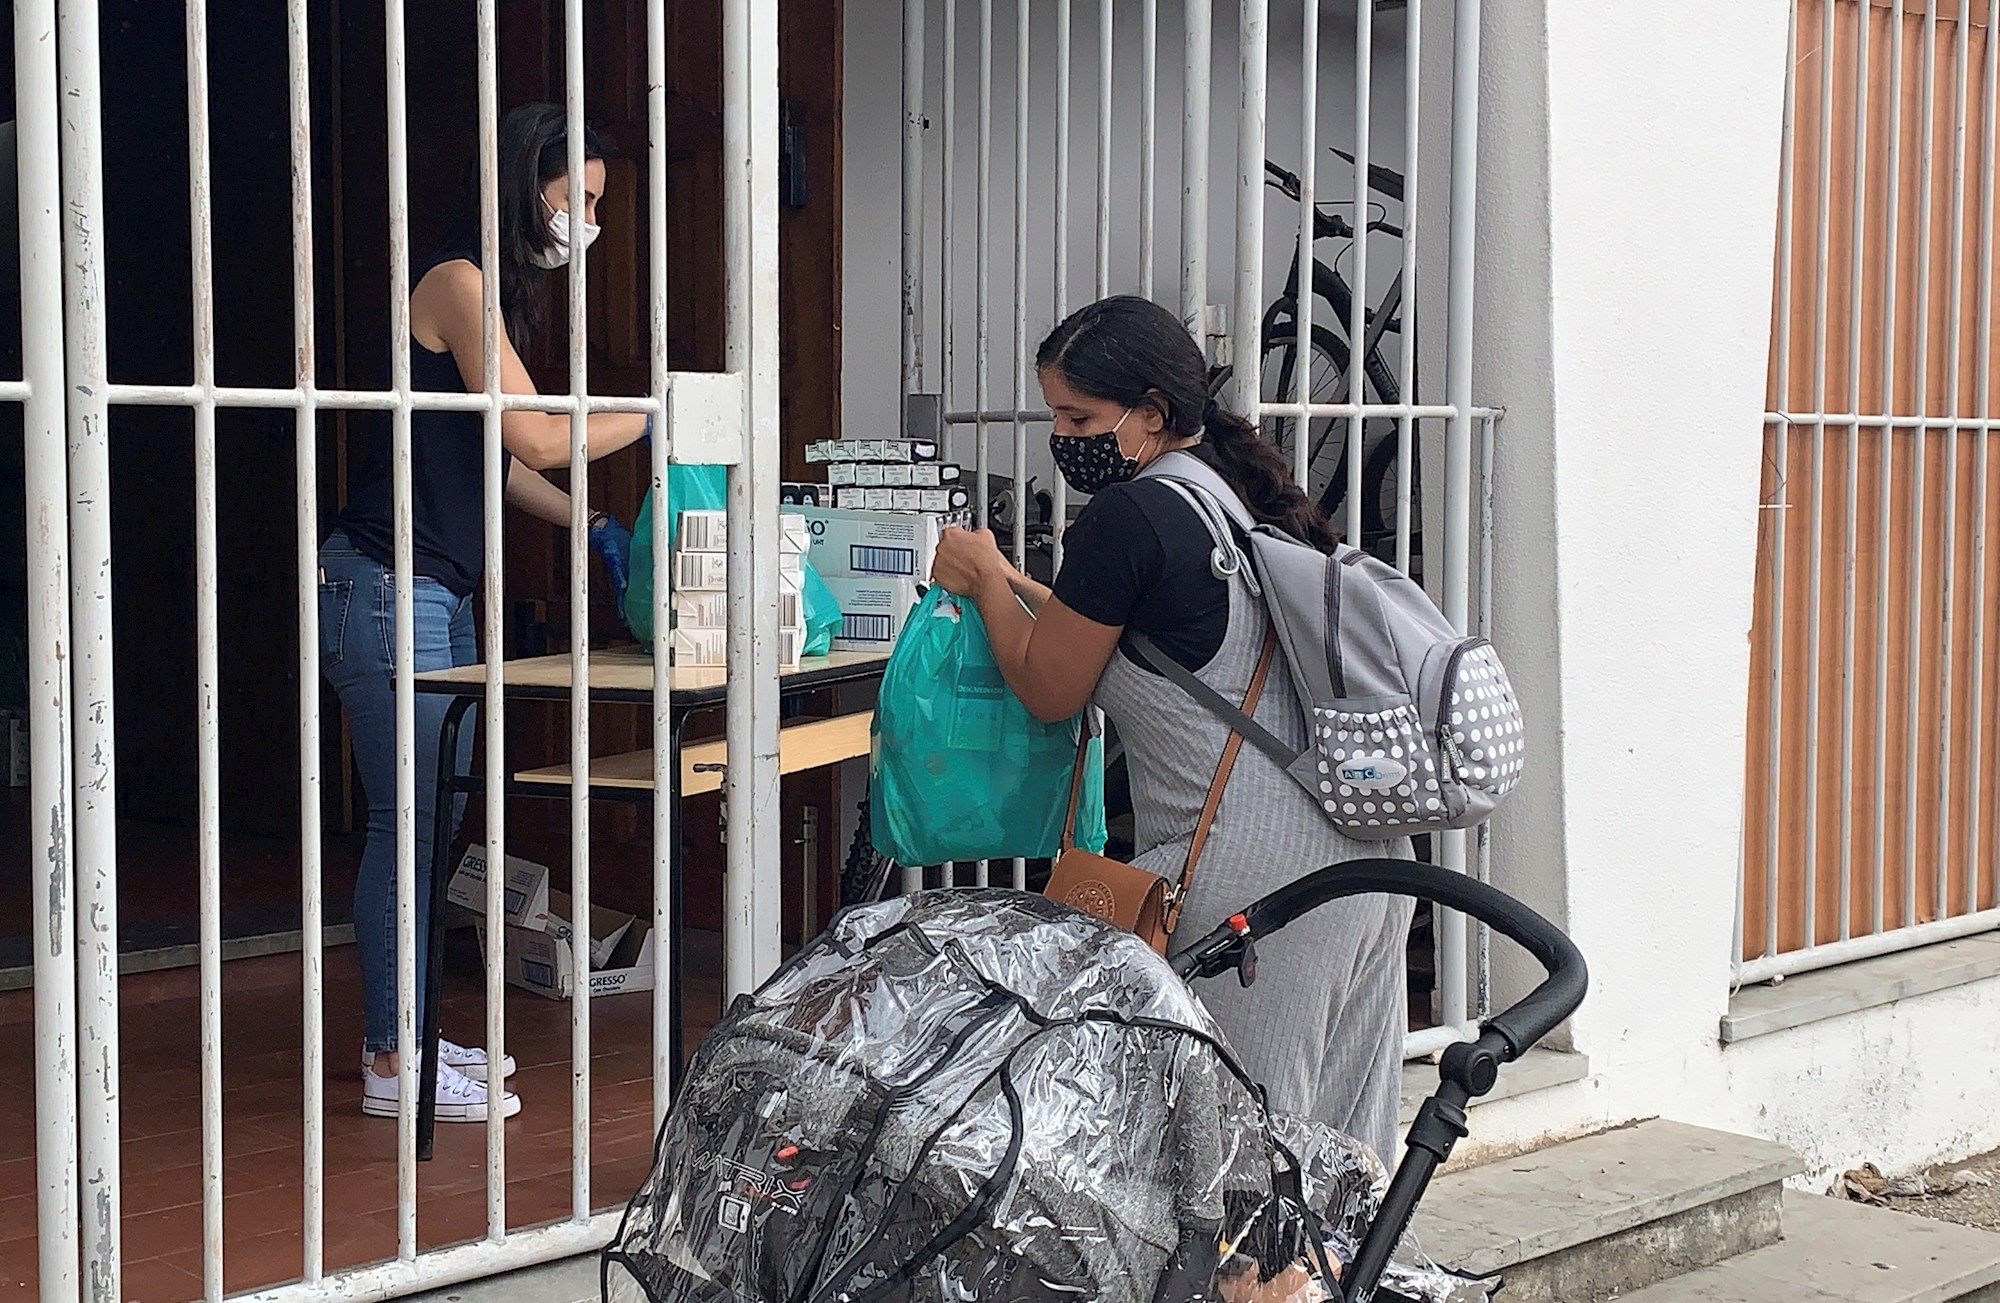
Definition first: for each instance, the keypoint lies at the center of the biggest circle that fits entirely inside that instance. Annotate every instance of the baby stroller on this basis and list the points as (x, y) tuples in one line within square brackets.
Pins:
[(987, 1095)]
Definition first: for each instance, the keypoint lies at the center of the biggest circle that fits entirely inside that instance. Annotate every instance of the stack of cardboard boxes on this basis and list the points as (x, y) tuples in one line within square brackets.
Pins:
[(544, 952), (874, 529), (889, 475), (700, 591)]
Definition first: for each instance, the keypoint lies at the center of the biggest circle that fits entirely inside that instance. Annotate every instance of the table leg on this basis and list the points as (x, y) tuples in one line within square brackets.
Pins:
[(430, 999), (676, 917)]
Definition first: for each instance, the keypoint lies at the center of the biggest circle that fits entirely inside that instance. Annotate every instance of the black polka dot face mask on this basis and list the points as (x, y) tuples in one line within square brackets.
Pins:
[(1092, 462)]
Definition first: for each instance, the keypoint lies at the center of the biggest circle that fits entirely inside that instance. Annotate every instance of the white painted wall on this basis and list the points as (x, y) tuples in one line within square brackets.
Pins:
[(1628, 343), (1629, 176)]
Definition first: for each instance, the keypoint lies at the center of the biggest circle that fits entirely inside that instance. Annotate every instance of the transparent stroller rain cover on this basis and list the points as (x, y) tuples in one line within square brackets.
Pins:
[(987, 1095)]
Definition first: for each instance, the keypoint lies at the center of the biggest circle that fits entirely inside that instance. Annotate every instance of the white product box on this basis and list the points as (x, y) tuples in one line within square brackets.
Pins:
[(696, 610), (524, 896), (701, 571), (699, 647), (906, 499), (703, 531), (873, 609), (899, 477), (851, 543)]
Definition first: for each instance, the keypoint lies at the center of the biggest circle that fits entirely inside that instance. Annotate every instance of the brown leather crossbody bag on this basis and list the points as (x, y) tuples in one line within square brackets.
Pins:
[(1135, 899)]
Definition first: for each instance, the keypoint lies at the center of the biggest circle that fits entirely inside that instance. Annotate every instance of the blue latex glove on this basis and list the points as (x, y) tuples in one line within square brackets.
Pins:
[(613, 544)]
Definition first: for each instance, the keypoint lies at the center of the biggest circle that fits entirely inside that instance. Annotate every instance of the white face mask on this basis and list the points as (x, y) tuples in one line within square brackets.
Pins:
[(557, 253)]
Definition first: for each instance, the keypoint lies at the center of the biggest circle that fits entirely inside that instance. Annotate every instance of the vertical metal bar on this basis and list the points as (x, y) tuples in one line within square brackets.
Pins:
[(752, 942), (1302, 311), (46, 481), (1023, 502), (408, 1042), (1106, 35), (207, 635), (1816, 546), (1458, 439), (493, 714), (1061, 250), (1199, 21), (1885, 506), (579, 638), (95, 815), (312, 911), (1019, 370), (1948, 549), (1406, 443), (948, 229), (1990, 120), (1149, 148), (913, 196), (1253, 44), (1357, 318), (1482, 1003), (982, 307), (1920, 437), (1856, 271), (1781, 451), (666, 977)]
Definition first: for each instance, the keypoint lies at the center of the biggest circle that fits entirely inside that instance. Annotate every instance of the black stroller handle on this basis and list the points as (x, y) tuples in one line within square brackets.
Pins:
[(1467, 1070), (1537, 1014)]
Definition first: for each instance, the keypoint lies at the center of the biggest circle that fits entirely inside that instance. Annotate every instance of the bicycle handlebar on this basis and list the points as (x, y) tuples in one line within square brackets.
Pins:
[(1540, 1012)]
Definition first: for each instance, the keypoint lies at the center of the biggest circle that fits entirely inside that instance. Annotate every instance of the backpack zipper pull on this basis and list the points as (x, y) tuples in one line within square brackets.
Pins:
[(1454, 763)]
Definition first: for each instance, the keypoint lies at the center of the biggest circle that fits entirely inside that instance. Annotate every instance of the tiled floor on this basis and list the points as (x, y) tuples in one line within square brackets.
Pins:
[(263, 1128)]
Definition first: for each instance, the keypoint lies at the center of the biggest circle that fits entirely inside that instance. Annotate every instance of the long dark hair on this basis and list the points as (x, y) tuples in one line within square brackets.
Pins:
[(534, 150), (1133, 352)]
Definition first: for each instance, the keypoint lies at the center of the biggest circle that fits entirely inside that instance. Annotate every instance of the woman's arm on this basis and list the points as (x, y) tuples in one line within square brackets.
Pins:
[(1053, 660), (1033, 594), (530, 491), (448, 303)]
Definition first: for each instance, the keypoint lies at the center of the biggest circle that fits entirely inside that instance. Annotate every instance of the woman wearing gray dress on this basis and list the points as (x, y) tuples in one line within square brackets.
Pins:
[(1323, 1027)]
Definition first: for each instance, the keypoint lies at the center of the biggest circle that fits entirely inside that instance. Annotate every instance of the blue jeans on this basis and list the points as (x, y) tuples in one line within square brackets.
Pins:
[(357, 647)]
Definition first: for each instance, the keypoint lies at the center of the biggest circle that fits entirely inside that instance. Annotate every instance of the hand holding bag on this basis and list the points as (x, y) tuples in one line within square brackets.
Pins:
[(1135, 899)]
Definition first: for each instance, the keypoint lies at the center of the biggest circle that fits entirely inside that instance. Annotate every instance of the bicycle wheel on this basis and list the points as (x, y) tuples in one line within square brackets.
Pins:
[(1328, 360), (1326, 459), (865, 876)]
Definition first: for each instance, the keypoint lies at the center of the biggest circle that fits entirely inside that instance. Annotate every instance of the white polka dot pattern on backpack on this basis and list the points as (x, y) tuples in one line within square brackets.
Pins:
[(1485, 723), (1381, 769)]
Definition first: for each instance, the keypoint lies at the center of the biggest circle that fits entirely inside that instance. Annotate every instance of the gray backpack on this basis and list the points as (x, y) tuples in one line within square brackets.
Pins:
[(1414, 728)]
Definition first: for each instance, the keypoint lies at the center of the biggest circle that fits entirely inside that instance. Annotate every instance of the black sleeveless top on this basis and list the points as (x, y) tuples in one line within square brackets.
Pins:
[(447, 473)]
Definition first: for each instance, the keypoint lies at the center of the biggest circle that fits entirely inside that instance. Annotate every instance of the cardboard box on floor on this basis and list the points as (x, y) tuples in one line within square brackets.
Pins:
[(540, 939)]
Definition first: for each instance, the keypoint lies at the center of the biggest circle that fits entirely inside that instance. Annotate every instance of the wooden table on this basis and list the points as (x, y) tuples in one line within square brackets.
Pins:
[(621, 677)]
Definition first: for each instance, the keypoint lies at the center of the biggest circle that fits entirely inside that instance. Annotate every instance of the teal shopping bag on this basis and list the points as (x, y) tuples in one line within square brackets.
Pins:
[(961, 770)]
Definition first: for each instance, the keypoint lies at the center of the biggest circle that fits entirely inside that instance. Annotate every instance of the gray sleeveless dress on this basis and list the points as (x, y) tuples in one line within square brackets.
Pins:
[(1323, 1027)]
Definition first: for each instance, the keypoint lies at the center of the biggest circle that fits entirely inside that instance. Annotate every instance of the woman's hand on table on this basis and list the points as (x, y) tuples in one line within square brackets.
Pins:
[(967, 559)]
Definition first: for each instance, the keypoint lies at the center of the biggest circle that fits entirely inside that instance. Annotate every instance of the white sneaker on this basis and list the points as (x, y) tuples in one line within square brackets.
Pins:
[(459, 1097), (470, 1061)]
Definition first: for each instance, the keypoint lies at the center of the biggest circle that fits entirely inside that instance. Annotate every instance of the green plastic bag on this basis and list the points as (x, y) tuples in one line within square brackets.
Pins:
[(961, 770), (706, 488)]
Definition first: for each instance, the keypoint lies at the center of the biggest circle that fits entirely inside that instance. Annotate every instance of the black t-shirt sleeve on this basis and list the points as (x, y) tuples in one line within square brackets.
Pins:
[(1138, 558), (1112, 558)]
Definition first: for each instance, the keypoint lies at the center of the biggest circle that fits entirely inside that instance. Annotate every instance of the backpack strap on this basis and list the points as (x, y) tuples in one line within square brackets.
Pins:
[(1186, 468), (1215, 703)]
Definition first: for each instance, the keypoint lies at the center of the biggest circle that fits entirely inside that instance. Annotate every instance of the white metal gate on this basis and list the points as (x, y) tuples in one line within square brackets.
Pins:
[(67, 392), (951, 168)]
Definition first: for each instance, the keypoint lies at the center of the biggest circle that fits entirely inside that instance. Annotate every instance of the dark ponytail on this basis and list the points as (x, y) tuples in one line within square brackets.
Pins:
[(1262, 477), (1133, 352)]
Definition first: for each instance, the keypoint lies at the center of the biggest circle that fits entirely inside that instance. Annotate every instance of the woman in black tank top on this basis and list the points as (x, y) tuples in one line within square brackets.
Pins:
[(447, 452)]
